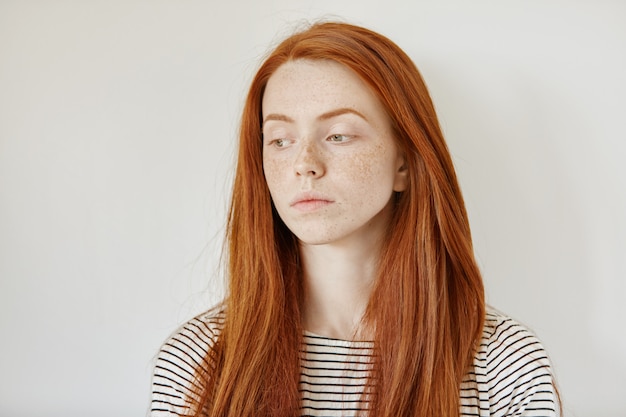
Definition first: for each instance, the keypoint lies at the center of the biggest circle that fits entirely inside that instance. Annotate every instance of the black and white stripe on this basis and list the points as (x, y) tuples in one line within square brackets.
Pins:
[(333, 376), (511, 374)]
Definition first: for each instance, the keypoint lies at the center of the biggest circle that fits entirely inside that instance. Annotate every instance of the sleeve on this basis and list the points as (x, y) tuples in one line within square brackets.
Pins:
[(519, 374), (176, 365)]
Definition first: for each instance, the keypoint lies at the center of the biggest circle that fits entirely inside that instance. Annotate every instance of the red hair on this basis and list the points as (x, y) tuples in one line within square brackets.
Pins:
[(428, 292)]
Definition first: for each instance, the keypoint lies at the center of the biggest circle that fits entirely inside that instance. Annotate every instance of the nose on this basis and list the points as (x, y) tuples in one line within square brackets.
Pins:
[(309, 162)]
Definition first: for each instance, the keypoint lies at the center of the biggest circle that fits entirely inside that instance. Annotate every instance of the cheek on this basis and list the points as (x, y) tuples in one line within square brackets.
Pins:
[(369, 168), (274, 172)]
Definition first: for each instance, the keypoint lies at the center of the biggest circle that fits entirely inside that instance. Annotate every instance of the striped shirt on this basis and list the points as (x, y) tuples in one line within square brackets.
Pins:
[(510, 376)]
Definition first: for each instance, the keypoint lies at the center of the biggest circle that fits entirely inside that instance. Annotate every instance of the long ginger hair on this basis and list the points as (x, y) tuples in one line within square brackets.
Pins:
[(428, 291)]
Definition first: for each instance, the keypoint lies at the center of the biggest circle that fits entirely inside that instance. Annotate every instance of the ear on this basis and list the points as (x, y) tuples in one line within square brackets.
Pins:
[(401, 181)]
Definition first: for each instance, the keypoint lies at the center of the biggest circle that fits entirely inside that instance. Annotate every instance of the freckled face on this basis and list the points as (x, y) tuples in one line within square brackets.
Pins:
[(329, 156)]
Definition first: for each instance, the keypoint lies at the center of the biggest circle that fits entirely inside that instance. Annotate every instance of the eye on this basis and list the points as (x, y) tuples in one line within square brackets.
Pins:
[(280, 143), (338, 138)]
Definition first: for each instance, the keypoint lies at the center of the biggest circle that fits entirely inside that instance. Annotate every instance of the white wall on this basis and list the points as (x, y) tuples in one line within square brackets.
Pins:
[(117, 127)]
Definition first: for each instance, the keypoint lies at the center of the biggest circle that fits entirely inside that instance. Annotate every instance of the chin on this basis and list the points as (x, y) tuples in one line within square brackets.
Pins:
[(313, 241), (322, 236), (315, 237)]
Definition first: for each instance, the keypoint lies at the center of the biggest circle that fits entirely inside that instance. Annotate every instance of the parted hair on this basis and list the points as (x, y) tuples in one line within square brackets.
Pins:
[(428, 291)]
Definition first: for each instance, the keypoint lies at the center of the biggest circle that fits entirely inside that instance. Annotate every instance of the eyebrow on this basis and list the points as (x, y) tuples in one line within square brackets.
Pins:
[(325, 116)]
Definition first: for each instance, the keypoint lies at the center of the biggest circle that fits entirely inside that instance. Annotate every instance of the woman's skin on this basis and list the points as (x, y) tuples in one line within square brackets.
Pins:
[(332, 165)]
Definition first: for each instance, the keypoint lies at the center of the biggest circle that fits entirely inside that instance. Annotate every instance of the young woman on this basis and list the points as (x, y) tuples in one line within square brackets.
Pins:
[(353, 288)]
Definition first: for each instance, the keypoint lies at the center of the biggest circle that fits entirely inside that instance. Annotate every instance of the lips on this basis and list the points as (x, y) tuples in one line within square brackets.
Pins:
[(310, 201)]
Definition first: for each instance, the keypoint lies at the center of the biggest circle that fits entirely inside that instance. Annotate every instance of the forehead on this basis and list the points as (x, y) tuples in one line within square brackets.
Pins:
[(308, 86)]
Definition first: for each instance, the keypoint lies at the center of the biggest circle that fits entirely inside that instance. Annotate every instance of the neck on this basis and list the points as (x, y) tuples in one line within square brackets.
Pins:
[(337, 286)]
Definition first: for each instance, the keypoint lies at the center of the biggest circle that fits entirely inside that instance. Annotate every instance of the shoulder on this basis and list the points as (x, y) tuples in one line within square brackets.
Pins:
[(503, 338), (512, 371), (197, 336), (510, 347), (179, 357)]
